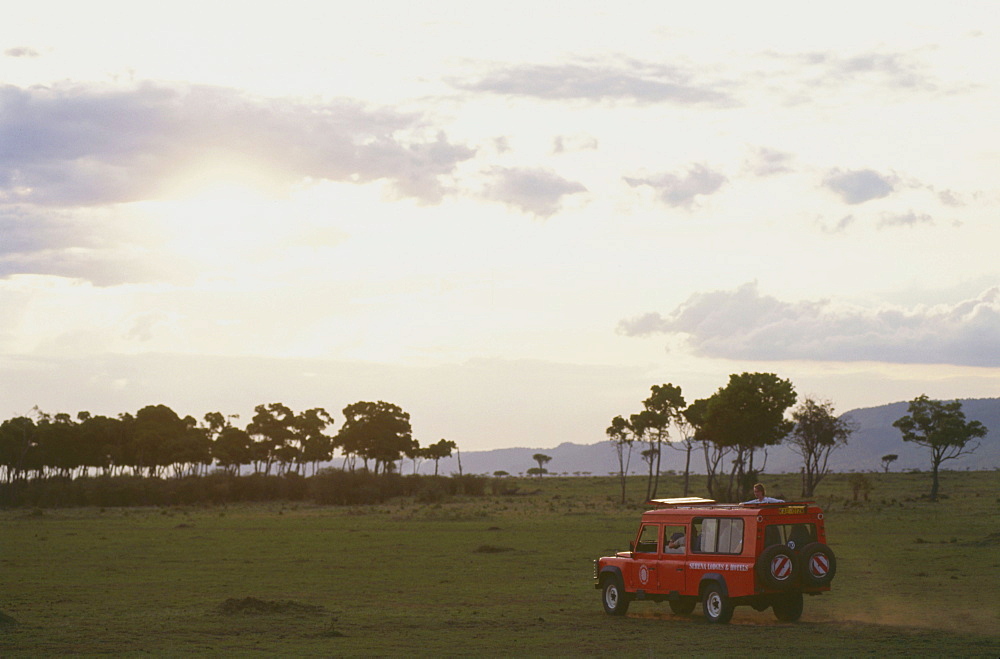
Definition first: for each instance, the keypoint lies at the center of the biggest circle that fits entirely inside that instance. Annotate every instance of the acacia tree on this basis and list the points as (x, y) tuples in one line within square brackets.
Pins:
[(744, 416), (696, 415), (687, 444), (661, 410), (307, 431), (379, 432), (272, 429), (18, 447), (816, 434), (942, 428), (542, 460), (157, 431), (621, 435), (230, 445), (232, 449), (438, 450), (887, 460)]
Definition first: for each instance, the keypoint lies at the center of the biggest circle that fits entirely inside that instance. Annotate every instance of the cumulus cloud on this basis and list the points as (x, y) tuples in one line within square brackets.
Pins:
[(743, 324), (634, 81), (682, 190), (80, 144), (859, 186), (536, 191)]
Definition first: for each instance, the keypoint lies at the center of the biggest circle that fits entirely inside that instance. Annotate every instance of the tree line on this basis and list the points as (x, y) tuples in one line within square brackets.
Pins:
[(157, 442), (734, 427)]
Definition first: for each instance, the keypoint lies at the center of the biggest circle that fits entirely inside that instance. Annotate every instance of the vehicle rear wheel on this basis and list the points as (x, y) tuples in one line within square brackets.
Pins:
[(715, 605), (788, 607), (613, 596), (683, 606)]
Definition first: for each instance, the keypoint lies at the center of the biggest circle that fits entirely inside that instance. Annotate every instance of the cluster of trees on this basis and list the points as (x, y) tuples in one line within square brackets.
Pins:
[(733, 428), (156, 441), (736, 425)]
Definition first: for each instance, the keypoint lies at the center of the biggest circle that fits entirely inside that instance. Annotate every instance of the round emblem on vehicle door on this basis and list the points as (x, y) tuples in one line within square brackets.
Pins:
[(643, 574)]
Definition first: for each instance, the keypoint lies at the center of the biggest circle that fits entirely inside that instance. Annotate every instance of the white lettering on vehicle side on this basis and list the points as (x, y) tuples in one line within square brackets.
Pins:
[(722, 567)]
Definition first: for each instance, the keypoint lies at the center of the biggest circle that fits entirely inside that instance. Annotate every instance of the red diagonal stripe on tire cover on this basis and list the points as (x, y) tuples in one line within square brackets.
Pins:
[(781, 567), (819, 565)]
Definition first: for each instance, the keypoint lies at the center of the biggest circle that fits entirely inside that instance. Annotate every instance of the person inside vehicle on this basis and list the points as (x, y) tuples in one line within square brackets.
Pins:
[(760, 495), (676, 543)]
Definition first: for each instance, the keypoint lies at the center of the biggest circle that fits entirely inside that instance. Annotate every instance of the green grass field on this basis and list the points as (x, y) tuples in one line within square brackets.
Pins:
[(499, 576)]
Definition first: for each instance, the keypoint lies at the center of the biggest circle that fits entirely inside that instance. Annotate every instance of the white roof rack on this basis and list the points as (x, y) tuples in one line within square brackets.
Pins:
[(681, 501)]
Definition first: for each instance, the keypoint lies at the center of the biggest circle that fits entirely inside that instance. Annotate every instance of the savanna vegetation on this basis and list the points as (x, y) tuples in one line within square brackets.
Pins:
[(733, 428), (156, 442), (498, 574)]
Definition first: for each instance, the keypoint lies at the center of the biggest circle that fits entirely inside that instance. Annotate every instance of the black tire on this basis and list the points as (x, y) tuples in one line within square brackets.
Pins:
[(819, 565), (778, 568), (613, 596), (683, 606), (716, 606), (787, 607)]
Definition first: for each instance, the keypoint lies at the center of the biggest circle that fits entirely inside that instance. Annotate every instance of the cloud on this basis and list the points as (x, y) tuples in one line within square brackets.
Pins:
[(894, 70), (768, 162), (569, 143), (745, 325), (908, 219), (102, 247), (536, 191), (681, 190), (859, 186), (636, 81), (21, 51), (75, 144)]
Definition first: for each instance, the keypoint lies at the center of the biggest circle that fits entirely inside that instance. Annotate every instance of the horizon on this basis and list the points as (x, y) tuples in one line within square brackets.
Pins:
[(508, 238)]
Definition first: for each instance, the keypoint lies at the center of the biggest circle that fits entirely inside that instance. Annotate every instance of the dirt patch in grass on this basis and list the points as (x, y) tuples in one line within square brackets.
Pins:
[(254, 606), (491, 549)]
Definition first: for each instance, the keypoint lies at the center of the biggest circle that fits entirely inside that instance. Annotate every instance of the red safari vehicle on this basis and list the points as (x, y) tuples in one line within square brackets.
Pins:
[(694, 550)]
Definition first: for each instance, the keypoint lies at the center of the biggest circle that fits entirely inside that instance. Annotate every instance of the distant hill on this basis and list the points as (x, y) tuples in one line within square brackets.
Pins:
[(874, 438)]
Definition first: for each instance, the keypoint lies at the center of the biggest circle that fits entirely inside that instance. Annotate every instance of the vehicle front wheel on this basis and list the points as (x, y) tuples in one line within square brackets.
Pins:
[(683, 606), (614, 597), (788, 607), (715, 605)]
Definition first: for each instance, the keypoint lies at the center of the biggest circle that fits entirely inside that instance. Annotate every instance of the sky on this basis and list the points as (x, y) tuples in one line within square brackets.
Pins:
[(511, 220)]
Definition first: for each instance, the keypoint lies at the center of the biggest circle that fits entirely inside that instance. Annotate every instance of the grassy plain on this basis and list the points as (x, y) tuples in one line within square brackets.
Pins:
[(496, 576)]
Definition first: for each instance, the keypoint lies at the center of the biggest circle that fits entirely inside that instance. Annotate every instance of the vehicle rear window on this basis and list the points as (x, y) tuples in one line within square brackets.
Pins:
[(714, 535), (795, 536)]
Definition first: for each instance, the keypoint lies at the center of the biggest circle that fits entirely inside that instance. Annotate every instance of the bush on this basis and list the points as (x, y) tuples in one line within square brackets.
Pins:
[(328, 487)]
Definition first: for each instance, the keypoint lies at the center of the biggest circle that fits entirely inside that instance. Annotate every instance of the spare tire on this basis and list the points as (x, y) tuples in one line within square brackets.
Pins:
[(819, 565), (778, 568)]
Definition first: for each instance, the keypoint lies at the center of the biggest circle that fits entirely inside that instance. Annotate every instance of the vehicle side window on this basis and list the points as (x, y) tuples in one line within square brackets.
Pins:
[(647, 539), (674, 539), (718, 535)]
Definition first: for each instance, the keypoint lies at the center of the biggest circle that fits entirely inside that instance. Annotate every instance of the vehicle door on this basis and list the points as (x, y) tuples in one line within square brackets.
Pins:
[(670, 570), (643, 567)]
